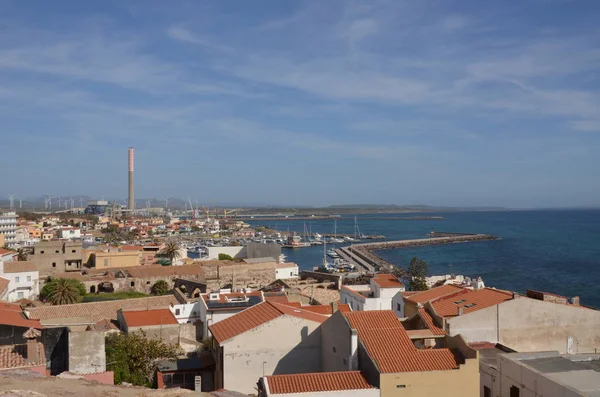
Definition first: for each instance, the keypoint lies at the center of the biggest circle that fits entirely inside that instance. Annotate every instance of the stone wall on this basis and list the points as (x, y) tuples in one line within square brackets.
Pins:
[(86, 352)]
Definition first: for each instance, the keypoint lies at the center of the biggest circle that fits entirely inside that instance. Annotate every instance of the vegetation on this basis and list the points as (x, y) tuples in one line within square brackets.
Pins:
[(171, 251), (133, 357), (196, 229), (113, 296), (160, 288), (21, 255), (417, 271), (62, 291), (225, 257)]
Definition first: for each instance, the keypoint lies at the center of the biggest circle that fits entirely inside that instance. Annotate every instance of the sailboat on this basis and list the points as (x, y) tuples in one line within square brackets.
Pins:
[(335, 239)]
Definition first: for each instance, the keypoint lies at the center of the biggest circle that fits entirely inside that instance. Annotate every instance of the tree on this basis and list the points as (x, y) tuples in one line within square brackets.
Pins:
[(133, 357), (417, 271), (195, 229), (171, 251), (63, 291), (21, 255), (225, 257), (160, 288)]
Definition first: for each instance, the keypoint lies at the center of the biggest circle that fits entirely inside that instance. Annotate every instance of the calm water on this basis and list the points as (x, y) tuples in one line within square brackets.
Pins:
[(554, 251)]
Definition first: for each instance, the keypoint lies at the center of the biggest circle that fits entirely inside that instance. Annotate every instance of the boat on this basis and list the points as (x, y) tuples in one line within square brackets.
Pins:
[(317, 236), (349, 239), (332, 253), (295, 241)]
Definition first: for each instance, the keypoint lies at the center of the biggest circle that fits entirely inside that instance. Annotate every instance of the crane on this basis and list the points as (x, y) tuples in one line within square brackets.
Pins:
[(206, 211), (192, 208), (228, 212)]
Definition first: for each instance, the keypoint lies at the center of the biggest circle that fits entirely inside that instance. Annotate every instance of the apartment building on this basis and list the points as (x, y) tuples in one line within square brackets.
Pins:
[(8, 228), (57, 256)]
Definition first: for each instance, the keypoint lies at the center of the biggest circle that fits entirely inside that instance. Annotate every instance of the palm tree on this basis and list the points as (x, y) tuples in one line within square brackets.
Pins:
[(63, 291), (21, 255), (171, 251)]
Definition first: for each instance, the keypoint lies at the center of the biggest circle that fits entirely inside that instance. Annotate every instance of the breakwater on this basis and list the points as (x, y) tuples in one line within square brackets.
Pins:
[(366, 251)]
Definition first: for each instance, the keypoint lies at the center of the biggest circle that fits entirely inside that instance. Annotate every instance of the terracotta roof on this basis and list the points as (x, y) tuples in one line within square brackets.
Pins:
[(15, 356), (141, 318), (223, 297), (13, 315), (355, 292), (390, 347), (470, 301), (132, 248), (105, 325), (286, 265), (278, 297), (387, 281), (326, 310), (97, 311), (317, 382), (255, 316), (18, 267), (434, 293), (406, 294), (428, 320), (3, 285), (4, 251)]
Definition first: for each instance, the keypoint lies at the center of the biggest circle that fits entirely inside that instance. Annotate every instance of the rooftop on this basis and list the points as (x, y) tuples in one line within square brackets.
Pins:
[(326, 310), (141, 318), (12, 314), (96, 311), (233, 300), (317, 382), (5, 251), (469, 301), (15, 356), (255, 316), (387, 281), (19, 266), (434, 293), (391, 348), (428, 320), (287, 265)]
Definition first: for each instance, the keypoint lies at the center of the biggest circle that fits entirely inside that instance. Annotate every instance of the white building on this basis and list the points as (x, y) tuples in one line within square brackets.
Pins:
[(266, 339), (543, 374), (69, 233), (23, 281), (8, 228), (377, 295), (286, 271)]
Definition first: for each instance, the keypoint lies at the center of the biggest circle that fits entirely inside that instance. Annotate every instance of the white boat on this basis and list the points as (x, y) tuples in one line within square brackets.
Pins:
[(349, 239), (335, 240), (317, 236), (331, 252)]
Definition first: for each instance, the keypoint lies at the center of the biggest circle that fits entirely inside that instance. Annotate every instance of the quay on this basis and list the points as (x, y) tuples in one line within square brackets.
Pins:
[(364, 237), (363, 256)]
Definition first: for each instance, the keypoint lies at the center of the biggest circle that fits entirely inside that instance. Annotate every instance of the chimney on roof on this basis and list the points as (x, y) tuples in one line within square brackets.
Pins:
[(33, 355), (460, 311), (353, 362), (574, 300), (334, 306)]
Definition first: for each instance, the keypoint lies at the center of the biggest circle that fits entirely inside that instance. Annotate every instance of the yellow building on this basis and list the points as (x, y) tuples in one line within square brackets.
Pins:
[(112, 259)]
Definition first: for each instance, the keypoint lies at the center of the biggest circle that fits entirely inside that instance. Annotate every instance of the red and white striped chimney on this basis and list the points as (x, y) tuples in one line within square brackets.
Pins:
[(131, 196)]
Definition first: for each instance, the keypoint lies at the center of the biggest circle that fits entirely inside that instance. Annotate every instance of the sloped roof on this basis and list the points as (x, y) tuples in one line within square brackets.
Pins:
[(141, 318), (5, 251), (11, 314), (387, 281), (317, 382), (15, 356), (390, 347), (469, 301), (434, 293), (18, 267), (428, 320), (326, 310), (96, 311), (255, 316)]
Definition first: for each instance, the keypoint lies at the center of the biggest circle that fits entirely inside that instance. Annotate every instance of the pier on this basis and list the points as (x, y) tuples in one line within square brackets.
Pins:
[(363, 256)]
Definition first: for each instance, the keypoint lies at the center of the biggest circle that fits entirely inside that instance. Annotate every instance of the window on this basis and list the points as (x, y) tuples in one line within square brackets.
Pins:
[(177, 312), (147, 282), (29, 278), (345, 361), (73, 251), (400, 386), (57, 252), (398, 307), (105, 262), (53, 264), (334, 350), (133, 283), (291, 274), (41, 252), (19, 295), (487, 392), (515, 391), (16, 279)]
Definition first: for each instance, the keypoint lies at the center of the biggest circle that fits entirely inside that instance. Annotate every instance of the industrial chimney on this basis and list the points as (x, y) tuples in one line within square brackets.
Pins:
[(131, 197)]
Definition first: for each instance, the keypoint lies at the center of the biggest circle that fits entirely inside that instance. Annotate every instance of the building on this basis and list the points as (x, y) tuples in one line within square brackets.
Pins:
[(57, 256), (272, 339), (406, 305), (108, 259), (319, 384), (69, 233), (7, 255), (542, 374), (30, 355), (96, 207), (286, 271), (23, 281), (184, 373), (377, 295), (8, 228), (376, 343)]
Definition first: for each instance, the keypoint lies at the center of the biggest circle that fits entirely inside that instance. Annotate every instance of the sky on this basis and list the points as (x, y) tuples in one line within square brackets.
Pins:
[(438, 102)]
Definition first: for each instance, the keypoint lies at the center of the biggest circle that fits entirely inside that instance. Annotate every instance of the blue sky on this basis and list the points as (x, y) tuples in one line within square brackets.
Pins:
[(304, 102)]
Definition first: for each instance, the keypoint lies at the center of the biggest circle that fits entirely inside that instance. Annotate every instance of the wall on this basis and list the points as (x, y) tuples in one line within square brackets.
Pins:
[(284, 345), (86, 352), (260, 250), (398, 305), (188, 312), (284, 273), (214, 317), (105, 378), (336, 333), (44, 261), (107, 260), (235, 252), (29, 289), (532, 325), (462, 382), (183, 335), (341, 393), (355, 301)]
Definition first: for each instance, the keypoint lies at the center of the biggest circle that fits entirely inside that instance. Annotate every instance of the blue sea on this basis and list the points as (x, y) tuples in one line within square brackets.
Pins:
[(550, 250)]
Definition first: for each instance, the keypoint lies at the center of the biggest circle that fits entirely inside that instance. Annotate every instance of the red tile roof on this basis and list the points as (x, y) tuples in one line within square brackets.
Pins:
[(4, 251), (434, 293), (132, 248), (280, 298), (470, 301), (15, 356), (387, 281), (13, 315), (390, 347), (428, 320), (317, 382), (326, 310), (18, 267), (3, 285), (255, 316), (141, 318)]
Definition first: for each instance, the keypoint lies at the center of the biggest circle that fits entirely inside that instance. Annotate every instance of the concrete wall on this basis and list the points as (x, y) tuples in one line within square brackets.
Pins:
[(285, 345), (238, 252), (525, 324), (183, 335), (260, 250), (285, 273), (337, 353), (86, 352), (28, 289), (49, 261), (398, 305), (462, 382), (107, 260)]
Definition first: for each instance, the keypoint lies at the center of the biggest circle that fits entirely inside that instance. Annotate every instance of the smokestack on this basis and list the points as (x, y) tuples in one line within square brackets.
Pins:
[(131, 197)]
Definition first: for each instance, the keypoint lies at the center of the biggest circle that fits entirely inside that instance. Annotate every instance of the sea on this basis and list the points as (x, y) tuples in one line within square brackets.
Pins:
[(554, 251)]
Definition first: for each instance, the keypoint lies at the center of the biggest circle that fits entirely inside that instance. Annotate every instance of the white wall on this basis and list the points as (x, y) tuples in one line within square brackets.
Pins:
[(234, 252), (286, 273), (30, 289), (357, 303), (282, 346), (398, 305), (188, 312), (341, 393)]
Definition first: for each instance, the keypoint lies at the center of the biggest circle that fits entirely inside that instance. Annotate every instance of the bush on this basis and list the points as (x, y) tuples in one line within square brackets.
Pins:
[(160, 288), (225, 257)]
